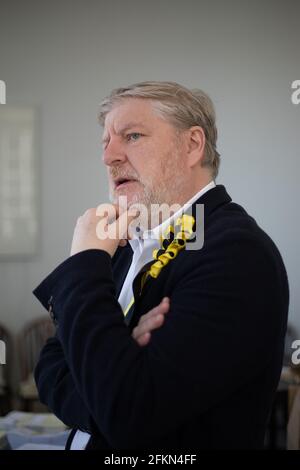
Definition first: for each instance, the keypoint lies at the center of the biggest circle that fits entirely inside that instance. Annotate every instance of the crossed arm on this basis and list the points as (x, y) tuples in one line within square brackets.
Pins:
[(56, 385)]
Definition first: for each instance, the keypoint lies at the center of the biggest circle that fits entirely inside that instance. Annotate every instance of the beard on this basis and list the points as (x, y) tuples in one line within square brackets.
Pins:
[(166, 186)]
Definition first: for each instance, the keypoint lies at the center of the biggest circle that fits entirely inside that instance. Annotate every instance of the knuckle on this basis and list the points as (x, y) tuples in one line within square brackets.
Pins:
[(149, 324), (134, 331), (143, 319), (155, 312), (89, 213)]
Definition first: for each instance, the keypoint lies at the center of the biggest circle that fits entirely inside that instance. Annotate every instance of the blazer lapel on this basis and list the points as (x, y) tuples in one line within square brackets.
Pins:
[(213, 199), (120, 265)]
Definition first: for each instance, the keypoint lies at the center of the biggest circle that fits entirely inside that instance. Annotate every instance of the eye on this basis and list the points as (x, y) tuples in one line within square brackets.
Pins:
[(133, 135)]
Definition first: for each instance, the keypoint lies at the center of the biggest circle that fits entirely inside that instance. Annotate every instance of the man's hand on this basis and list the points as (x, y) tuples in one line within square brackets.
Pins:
[(150, 321), (98, 231)]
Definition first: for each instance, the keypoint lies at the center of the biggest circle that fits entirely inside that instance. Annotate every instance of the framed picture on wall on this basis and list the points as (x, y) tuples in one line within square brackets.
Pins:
[(19, 182)]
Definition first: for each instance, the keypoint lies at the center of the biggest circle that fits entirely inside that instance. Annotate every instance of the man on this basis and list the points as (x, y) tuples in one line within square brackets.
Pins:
[(182, 351)]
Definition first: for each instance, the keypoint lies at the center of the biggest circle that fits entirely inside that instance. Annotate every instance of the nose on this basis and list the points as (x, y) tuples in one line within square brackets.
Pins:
[(113, 153)]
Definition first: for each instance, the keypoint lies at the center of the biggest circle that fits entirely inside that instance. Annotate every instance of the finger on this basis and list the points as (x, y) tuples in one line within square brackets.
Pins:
[(119, 209), (89, 212), (102, 228), (152, 320), (153, 324), (123, 243), (134, 208), (148, 326), (122, 223), (162, 308), (110, 211), (144, 339)]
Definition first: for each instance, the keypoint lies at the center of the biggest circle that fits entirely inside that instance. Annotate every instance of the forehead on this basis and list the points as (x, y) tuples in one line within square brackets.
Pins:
[(130, 111)]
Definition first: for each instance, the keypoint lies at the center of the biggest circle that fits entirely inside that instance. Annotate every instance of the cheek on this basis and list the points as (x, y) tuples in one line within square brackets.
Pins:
[(151, 163), (143, 163)]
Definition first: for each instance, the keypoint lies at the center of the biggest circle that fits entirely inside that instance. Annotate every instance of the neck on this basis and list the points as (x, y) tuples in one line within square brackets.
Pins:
[(159, 213), (192, 188)]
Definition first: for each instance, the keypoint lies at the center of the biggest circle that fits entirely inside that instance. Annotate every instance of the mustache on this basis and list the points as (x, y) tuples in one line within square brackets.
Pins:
[(120, 173)]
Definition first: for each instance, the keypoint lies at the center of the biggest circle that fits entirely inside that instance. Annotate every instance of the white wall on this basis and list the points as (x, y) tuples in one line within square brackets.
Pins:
[(64, 57)]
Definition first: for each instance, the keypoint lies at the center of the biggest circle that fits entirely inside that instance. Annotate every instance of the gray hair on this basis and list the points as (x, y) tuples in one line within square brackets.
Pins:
[(177, 104)]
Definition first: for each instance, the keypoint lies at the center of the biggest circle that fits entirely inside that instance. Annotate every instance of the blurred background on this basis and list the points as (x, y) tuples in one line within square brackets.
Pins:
[(59, 59)]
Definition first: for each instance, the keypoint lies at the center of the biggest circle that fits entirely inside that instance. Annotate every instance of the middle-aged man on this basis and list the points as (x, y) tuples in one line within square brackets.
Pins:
[(173, 348)]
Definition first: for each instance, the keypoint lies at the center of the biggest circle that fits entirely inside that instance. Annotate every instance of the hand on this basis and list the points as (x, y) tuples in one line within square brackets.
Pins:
[(96, 231), (150, 321)]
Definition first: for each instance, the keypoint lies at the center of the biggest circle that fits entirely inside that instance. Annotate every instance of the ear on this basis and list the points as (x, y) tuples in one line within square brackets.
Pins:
[(195, 144)]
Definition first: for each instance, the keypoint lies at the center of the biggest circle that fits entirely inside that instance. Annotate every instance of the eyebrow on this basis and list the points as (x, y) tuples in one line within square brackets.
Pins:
[(127, 126)]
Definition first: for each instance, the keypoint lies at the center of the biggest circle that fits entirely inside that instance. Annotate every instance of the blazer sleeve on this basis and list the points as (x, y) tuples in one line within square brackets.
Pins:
[(218, 335), (57, 389)]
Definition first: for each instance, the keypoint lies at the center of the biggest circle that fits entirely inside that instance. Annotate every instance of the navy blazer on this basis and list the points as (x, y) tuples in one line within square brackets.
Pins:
[(208, 376)]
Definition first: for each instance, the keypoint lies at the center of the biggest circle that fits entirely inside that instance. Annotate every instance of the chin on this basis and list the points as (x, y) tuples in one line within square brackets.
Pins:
[(132, 198)]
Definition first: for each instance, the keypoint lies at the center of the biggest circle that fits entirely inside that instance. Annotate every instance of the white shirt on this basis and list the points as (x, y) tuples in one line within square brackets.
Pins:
[(142, 248)]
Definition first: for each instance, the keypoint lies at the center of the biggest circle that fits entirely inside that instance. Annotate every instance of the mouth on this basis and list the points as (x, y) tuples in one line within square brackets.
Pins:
[(122, 182)]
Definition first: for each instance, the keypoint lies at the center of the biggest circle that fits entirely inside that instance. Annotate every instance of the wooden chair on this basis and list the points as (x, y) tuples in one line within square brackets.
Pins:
[(30, 342)]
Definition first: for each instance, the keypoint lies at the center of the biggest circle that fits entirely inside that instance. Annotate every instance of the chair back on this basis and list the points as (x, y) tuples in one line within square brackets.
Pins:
[(31, 340)]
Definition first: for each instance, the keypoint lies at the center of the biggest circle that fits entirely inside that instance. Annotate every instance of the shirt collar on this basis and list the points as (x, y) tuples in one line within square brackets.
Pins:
[(152, 236)]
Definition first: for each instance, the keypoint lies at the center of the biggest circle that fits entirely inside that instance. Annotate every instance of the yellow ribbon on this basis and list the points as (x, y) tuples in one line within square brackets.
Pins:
[(185, 225)]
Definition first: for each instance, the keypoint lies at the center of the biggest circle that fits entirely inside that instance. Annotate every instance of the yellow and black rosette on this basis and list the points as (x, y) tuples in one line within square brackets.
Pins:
[(172, 242)]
